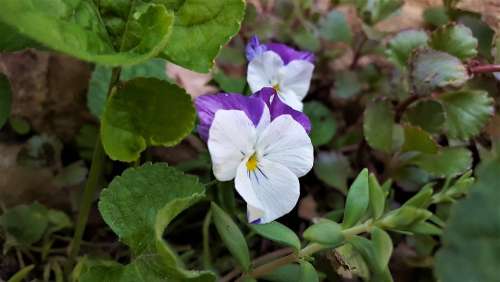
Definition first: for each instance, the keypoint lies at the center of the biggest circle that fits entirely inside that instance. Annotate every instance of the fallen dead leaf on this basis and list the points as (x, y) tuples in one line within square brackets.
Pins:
[(307, 208), (195, 83), (410, 16)]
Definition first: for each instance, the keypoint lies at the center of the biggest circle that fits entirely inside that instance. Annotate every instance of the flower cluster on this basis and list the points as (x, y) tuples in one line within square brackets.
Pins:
[(261, 141)]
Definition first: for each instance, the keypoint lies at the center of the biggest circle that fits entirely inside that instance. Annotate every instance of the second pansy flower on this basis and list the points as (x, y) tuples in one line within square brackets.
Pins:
[(283, 68)]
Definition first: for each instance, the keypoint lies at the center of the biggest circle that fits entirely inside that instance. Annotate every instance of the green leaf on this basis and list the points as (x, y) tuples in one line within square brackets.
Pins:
[(427, 114), (201, 28), (19, 125), (5, 100), (436, 16), (325, 232), (138, 206), (307, 272), (231, 236), (334, 27), (449, 161), (12, 41), (430, 70), (422, 199), (373, 11), (367, 250), (352, 260), (347, 84), (378, 125), (418, 140), (286, 273), (333, 169), (401, 46), (323, 123), (307, 39), (75, 28), (278, 232), (145, 112), (382, 246), (471, 247), (467, 112), (455, 39), (22, 274), (357, 200), (404, 218), (101, 78), (25, 224), (229, 84), (377, 197)]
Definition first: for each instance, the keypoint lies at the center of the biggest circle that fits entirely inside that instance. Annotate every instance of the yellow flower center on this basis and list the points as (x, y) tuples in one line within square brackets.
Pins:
[(252, 163), (276, 87)]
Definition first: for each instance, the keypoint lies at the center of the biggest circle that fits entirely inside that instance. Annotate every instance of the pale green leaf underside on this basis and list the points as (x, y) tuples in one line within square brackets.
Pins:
[(144, 112), (74, 27), (201, 28)]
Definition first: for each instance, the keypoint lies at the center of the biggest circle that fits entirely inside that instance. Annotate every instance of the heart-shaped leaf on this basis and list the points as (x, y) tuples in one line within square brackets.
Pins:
[(201, 28), (144, 112)]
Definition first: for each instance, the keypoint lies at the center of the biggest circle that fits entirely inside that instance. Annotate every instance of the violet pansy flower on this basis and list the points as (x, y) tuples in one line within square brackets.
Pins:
[(285, 69), (262, 144)]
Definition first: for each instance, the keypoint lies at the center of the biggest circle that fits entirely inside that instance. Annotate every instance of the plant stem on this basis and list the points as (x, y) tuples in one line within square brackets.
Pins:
[(401, 108), (306, 251), (93, 180), (484, 69)]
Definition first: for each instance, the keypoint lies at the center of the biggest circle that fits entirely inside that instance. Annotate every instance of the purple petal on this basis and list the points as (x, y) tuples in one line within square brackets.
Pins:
[(289, 54), (254, 48), (207, 105), (278, 108)]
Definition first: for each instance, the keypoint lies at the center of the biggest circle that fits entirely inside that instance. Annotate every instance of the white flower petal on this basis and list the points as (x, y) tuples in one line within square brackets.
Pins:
[(265, 120), (254, 215), (263, 71), (286, 142), (296, 78), (272, 190), (231, 138), (291, 100)]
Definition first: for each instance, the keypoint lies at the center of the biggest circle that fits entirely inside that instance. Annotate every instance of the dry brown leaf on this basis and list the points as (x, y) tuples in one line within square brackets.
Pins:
[(489, 9), (410, 16), (195, 83), (307, 208)]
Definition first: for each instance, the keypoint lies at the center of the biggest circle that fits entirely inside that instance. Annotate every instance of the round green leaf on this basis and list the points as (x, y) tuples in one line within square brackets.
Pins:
[(427, 114), (449, 161), (430, 70), (347, 84), (201, 28), (436, 16), (335, 28), (455, 39), (377, 10), (401, 45), (278, 232), (307, 272), (325, 232), (231, 236), (471, 249), (25, 224), (144, 112), (378, 125), (418, 140), (333, 169), (357, 200), (323, 123), (75, 28), (467, 112), (5, 100)]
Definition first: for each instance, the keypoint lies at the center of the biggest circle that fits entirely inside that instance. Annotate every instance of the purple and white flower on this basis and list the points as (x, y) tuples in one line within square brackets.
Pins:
[(260, 143), (285, 69)]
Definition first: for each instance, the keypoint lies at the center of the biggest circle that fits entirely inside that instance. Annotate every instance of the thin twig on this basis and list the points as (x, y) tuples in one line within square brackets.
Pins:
[(484, 69), (401, 108)]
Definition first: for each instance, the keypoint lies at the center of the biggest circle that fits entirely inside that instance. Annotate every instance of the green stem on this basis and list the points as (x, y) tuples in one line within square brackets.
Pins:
[(207, 258), (96, 168), (306, 251)]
